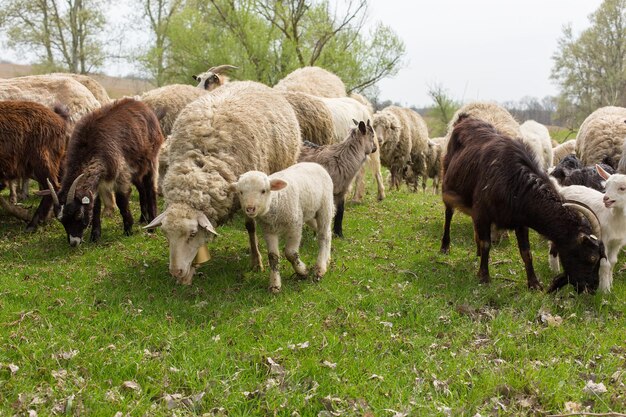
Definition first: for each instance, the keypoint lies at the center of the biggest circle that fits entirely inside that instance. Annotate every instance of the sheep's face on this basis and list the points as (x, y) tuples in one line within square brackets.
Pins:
[(581, 264), (187, 229), (254, 190), (386, 128)]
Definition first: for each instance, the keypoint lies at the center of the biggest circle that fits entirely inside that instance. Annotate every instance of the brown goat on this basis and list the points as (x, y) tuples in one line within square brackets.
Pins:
[(110, 148), (497, 181), (342, 161), (33, 139)]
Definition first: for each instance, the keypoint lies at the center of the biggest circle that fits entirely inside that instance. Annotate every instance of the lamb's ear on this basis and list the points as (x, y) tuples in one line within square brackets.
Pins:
[(355, 122), (232, 187), (204, 223), (156, 222), (601, 172), (278, 184), (362, 128)]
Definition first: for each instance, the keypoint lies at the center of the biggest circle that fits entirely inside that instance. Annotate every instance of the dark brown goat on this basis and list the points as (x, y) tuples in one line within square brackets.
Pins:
[(33, 139), (342, 161), (110, 148), (495, 180)]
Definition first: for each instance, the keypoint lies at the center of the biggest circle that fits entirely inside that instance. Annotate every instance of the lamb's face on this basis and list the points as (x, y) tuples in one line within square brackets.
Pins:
[(254, 190), (187, 229)]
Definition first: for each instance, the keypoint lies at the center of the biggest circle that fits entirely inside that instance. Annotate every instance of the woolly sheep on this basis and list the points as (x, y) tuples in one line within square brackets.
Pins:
[(491, 113), (239, 127), (538, 138), (609, 208), (420, 148), (394, 135), (561, 151), (50, 90), (343, 160), (433, 166), (169, 101), (97, 89), (313, 80), (282, 203), (602, 135), (213, 77), (314, 117)]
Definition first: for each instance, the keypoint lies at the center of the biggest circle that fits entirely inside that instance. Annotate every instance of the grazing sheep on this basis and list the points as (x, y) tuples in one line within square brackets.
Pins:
[(538, 139), (239, 127), (282, 203), (50, 90), (343, 160), (570, 171), (32, 144), (110, 148), (497, 181), (97, 89), (602, 135), (609, 208), (433, 166), (394, 136), (169, 101), (313, 80), (213, 77), (418, 161), (561, 151)]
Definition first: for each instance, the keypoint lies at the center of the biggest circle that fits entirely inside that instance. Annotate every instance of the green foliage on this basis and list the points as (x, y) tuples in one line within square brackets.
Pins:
[(442, 110), (394, 325), (591, 68)]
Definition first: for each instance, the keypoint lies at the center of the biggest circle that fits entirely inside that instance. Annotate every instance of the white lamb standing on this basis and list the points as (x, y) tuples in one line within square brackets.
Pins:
[(282, 203), (610, 209)]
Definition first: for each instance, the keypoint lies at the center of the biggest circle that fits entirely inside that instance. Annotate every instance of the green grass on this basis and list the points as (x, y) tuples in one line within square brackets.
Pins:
[(394, 325), (561, 134)]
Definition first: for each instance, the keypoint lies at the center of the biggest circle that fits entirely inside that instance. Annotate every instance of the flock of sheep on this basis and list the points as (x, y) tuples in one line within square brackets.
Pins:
[(286, 155)]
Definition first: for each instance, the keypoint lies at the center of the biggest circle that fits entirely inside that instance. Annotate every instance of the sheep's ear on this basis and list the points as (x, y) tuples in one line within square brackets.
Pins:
[(232, 187), (601, 172), (362, 128), (355, 122), (278, 184), (204, 223), (195, 77), (156, 222)]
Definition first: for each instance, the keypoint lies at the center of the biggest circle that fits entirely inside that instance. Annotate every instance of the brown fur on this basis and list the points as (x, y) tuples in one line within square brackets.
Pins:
[(33, 139)]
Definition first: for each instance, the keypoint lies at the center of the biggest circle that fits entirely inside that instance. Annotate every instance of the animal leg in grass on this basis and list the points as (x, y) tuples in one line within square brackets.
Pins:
[(338, 222), (445, 240), (484, 236), (127, 217), (255, 255), (324, 239), (96, 224), (553, 258), (292, 245), (274, 258), (524, 249)]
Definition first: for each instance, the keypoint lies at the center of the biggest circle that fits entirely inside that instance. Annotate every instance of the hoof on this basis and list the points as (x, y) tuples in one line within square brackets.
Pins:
[(445, 251), (274, 289), (535, 286)]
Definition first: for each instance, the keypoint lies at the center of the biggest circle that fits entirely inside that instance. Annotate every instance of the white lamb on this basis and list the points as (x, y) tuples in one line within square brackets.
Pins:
[(281, 203), (609, 208)]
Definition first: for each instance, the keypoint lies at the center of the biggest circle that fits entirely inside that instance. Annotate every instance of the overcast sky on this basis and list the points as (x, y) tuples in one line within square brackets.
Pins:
[(480, 49)]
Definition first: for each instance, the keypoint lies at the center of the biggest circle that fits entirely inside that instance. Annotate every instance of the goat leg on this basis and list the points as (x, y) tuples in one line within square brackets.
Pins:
[(524, 249)]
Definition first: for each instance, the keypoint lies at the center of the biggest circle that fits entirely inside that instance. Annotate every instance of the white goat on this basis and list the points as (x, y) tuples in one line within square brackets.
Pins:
[(610, 209), (282, 203)]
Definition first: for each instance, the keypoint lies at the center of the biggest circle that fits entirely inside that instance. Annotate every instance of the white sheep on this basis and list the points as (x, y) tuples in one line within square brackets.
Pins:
[(313, 80), (239, 127), (610, 210), (394, 135), (282, 203), (538, 138), (561, 151), (97, 89), (214, 77), (602, 136), (169, 101)]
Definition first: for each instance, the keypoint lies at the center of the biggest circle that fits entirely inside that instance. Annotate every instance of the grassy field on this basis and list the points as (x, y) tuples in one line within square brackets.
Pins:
[(394, 329)]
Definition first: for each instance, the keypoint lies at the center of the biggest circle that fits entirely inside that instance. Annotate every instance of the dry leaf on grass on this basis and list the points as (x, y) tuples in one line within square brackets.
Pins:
[(131, 386), (593, 388)]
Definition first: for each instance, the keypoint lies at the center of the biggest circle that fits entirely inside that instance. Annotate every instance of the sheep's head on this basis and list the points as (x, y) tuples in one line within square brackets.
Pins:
[(254, 190), (387, 127), (74, 209), (615, 189), (581, 258), (213, 78), (187, 229)]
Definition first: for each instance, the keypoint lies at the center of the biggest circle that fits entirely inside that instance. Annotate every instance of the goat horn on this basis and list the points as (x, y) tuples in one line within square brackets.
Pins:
[(55, 197), (586, 211), (221, 68), (72, 191)]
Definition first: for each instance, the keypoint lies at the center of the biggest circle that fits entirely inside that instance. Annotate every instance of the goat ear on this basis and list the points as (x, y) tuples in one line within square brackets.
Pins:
[(601, 172), (278, 184), (362, 128), (558, 282), (355, 122), (156, 222), (203, 222)]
